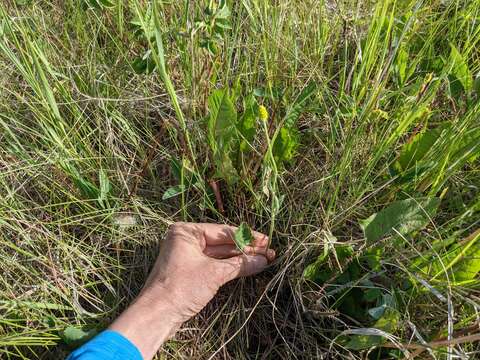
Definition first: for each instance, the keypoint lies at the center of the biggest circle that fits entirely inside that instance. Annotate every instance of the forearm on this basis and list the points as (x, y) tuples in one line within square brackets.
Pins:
[(148, 322)]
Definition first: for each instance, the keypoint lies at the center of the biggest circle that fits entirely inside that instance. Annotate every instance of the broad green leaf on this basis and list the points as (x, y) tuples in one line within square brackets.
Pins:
[(286, 139), (459, 69), (274, 93), (144, 64), (221, 124), (405, 216), (74, 336), (88, 189), (221, 120), (209, 45), (224, 167), (468, 145), (319, 271), (462, 261), (373, 256), (387, 301), (247, 124), (401, 64), (223, 12), (372, 294), (387, 323), (105, 187), (455, 87), (417, 148), (243, 236), (285, 145), (298, 106), (468, 267), (173, 191), (222, 24), (184, 172)]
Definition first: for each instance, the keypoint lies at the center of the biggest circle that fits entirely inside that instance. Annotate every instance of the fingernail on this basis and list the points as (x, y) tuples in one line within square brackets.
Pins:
[(270, 254)]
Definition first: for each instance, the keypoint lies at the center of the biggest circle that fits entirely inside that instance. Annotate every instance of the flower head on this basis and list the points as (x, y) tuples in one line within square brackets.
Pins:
[(262, 113)]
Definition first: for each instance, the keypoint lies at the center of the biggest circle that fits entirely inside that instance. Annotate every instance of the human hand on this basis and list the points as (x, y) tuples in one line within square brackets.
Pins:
[(195, 261)]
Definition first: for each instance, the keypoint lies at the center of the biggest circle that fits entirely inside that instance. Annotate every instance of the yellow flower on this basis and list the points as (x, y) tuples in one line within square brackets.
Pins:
[(262, 113)]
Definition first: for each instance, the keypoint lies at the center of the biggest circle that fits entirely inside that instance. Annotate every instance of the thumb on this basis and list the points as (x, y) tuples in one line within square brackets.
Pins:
[(242, 265)]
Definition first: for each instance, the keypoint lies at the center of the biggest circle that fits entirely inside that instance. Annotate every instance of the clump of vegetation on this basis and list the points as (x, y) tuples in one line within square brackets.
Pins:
[(349, 132)]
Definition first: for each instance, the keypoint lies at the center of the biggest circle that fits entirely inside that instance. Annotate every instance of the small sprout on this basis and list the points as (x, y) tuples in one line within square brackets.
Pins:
[(243, 236), (262, 113)]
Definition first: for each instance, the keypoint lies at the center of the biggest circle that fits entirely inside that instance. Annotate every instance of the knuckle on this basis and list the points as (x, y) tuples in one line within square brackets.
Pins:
[(177, 227)]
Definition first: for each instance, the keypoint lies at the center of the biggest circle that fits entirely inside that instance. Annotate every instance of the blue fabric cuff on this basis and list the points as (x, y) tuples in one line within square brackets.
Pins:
[(108, 345)]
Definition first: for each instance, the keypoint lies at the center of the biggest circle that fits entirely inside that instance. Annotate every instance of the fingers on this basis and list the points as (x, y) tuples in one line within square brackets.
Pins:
[(260, 250), (219, 234), (260, 240), (222, 251), (227, 251), (241, 266)]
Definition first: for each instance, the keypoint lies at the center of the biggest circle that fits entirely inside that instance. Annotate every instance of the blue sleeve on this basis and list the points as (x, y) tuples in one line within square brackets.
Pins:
[(108, 345)]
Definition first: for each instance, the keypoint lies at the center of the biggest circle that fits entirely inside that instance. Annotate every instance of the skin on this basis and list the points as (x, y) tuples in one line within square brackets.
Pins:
[(195, 261)]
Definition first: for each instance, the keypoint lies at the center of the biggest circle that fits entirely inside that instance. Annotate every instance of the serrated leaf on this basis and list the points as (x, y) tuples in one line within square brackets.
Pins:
[(405, 216), (173, 191), (243, 236), (74, 336)]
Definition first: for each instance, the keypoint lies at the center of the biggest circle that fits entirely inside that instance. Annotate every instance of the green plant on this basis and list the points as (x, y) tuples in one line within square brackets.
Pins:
[(299, 118), (212, 25)]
